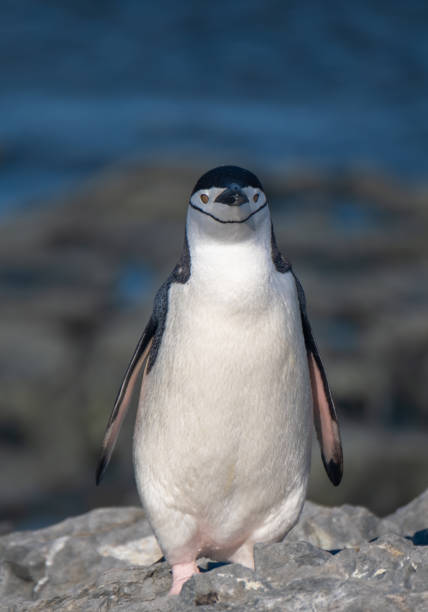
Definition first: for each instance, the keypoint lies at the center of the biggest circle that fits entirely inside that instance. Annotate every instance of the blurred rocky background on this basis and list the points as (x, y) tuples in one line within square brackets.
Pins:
[(109, 113)]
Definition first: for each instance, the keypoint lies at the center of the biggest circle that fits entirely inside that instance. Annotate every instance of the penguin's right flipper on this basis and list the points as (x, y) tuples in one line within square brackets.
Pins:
[(123, 397), (325, 417)]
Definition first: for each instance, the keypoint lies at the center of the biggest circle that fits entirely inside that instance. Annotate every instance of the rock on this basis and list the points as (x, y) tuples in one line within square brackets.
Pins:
[(336, 528), (342, 558), (412, 517), (302, 577)]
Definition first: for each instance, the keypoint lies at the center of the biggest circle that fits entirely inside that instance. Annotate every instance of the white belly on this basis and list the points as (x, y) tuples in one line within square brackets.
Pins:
[(222, 441)]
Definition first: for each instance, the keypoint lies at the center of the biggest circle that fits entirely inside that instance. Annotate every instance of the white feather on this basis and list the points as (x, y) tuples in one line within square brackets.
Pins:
[(222, 439)]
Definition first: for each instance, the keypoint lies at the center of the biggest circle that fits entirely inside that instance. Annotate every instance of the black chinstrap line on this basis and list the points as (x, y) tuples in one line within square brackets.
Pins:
[(221, 220)]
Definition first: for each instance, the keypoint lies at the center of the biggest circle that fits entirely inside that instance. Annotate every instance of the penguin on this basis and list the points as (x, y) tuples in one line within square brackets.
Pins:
[(232, 379)]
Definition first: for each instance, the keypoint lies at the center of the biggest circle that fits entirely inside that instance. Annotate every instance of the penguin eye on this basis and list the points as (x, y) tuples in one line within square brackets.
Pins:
[(204, 198), (256, 197)]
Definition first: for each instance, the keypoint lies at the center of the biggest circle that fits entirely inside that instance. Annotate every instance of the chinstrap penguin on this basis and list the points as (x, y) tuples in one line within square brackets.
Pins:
[(231, 379)]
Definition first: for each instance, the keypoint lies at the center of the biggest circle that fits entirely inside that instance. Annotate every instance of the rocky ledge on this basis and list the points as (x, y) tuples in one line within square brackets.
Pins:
[(342, 558)]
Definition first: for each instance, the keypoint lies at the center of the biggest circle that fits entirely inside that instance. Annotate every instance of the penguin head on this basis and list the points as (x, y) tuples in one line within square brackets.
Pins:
[(228, 199)]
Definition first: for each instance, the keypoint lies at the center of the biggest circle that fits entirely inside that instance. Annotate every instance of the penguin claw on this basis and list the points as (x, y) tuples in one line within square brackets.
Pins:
[(181, 573)]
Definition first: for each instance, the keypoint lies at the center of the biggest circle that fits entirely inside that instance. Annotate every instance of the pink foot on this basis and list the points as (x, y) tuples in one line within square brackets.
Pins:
[(244, 555), (181, 572)]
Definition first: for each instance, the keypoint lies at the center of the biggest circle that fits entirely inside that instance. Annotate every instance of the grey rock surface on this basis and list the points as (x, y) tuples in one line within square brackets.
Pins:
[(341, 558), (413, 516)]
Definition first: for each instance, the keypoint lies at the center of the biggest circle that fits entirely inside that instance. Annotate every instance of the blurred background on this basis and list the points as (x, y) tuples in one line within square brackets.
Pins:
[(109, 112)]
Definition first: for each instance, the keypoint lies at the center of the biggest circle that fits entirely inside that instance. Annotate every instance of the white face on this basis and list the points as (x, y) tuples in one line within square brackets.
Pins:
[(242, 212)]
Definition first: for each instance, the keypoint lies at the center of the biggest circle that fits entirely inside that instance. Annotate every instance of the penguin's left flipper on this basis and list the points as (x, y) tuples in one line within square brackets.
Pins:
[(325, 417), (123, 397)]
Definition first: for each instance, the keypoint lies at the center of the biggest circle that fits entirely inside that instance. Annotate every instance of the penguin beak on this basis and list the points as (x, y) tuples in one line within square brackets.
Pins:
[(232, 196)]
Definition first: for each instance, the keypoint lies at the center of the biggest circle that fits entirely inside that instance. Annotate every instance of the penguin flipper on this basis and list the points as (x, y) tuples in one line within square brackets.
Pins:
[(325, 417), (123, 397)]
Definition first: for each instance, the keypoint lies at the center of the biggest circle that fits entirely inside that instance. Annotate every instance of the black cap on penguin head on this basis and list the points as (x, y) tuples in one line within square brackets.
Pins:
[(224, 176)]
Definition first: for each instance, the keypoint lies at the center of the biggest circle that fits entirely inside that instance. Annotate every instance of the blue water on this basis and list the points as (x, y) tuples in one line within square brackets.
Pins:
[(86, 84)]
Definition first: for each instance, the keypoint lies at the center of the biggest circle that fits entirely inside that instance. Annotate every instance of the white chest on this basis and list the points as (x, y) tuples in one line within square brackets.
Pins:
[(236, 316), (232, 363), (228, 400)]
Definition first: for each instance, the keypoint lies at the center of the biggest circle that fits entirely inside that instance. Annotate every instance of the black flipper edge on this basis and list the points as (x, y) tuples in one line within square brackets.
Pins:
[(325, 417), (123, 397)]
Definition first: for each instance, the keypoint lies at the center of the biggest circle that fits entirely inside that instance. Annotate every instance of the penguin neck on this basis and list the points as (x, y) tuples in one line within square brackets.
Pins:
[(230, 254)]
